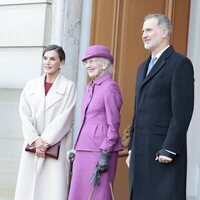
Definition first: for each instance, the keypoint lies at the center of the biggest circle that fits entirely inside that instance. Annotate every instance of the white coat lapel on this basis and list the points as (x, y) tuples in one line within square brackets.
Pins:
[(56, 92), (37, 96), (37, 89)]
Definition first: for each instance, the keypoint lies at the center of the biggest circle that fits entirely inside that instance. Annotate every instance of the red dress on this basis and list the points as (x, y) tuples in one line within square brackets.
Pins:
[(47, 87)]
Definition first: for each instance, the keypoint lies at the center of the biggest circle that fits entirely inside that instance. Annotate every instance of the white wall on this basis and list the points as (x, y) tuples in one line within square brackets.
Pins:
[(17, 65), (25, 30), (193, 178)]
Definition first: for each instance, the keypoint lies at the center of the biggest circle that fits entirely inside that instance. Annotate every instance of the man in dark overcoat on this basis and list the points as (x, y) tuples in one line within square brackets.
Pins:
[(163, 109)]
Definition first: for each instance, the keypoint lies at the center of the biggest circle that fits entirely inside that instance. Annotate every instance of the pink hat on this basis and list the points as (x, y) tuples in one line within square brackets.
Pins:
[(98, 51)]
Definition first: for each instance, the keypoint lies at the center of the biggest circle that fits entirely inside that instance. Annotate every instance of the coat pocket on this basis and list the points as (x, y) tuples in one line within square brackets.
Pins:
[(160, 129)]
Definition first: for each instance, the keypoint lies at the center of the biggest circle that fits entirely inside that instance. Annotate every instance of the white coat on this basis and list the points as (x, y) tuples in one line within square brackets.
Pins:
[(48, 117)]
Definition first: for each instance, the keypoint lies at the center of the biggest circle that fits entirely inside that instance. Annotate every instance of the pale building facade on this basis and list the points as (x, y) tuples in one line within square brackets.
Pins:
[(26, 27)]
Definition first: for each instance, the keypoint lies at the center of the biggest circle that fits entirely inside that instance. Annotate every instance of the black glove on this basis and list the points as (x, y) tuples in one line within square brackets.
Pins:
[(101, 167), (95, 179), (104, 161)]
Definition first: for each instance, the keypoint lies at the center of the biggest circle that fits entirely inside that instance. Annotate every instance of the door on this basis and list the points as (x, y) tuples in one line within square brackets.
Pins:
[(117, 24)]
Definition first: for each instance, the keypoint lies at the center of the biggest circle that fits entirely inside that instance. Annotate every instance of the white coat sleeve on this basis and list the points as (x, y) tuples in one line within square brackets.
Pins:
[(29, 131)]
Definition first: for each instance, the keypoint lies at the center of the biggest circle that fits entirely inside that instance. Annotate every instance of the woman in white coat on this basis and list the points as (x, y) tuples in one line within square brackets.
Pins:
[(46, 111)]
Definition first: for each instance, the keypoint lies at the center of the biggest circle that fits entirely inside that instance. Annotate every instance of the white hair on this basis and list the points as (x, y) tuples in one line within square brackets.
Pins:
[(108, 64)]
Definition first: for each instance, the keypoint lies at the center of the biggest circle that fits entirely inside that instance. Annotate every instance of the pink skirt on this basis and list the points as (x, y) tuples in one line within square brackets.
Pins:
[(84, 164)]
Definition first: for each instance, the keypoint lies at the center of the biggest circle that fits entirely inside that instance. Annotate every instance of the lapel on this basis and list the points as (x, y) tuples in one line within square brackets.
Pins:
[(56, 92), (87, 97), (156, 68), (36, 89), (37, 96), (90, 89)]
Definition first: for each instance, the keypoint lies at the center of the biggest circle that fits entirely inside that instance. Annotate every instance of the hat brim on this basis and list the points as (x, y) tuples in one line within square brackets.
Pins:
[(109, 57)]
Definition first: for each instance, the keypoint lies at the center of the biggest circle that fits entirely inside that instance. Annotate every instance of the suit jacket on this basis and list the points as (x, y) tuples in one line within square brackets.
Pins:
[(163, 110), (100, 116)]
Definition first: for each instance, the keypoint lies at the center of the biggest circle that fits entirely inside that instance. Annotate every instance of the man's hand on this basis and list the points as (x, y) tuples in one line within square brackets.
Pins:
[(163, 159), (128, 159), (164, 156)]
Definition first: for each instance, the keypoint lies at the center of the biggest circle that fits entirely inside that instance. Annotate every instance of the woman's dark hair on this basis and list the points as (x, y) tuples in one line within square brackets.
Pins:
[(56, 48)]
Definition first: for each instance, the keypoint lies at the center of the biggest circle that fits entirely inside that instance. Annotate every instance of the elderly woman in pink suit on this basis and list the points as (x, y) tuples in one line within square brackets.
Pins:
[(98, 141)]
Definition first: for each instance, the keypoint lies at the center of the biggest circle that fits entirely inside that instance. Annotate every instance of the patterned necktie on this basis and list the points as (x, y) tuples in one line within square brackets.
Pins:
[(151, 64)]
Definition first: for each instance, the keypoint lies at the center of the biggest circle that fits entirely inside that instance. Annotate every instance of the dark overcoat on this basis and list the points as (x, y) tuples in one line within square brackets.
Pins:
[(163, 109)]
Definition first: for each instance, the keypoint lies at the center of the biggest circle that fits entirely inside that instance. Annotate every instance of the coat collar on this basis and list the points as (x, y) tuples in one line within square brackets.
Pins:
[(55, 93), (158, 65), (102, 78), (90, 89)]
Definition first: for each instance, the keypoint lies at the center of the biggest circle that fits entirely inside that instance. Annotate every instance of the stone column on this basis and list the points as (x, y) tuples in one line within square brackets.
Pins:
[(71, 37)]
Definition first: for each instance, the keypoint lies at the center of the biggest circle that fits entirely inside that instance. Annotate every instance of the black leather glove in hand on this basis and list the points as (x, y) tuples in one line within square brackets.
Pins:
[(95, 179), (101, 167), (104, 161)]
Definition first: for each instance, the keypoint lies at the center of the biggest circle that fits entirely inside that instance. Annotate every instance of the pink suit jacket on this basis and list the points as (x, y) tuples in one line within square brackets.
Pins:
[(100, 116)]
